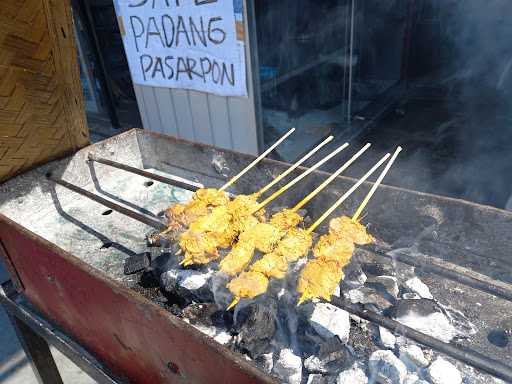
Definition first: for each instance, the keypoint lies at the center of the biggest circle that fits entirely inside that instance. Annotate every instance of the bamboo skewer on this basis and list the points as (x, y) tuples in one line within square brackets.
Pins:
[(294, 166), (347, 194), (376, 185), (306, 200), (300, 177), (256, 161)]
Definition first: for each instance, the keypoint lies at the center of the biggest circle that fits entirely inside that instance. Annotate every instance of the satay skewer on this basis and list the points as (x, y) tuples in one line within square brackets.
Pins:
[(189, 260), (343, 244), (347, 194), (294, 166), (237, 299), (376, 185), (300, 177), (256, 161), (318, 189)]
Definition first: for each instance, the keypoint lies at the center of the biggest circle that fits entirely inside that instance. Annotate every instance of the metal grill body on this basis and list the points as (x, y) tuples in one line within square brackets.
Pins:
[(67, 251)]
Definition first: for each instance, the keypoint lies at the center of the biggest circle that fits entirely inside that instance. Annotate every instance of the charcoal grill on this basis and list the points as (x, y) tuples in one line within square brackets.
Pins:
[(66, 229)]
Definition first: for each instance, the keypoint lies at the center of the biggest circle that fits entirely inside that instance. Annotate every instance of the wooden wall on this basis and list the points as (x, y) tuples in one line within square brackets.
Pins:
[(41, 104), (226, 122)]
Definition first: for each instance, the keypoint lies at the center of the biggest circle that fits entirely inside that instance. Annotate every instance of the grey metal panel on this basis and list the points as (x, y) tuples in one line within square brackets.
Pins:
[(167, 112), (152, 110), (201, 116), (220, 122), (183, 114), (142, 106)]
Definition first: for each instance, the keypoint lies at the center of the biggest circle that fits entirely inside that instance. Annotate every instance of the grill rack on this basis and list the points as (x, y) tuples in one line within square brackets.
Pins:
[(433, 265)]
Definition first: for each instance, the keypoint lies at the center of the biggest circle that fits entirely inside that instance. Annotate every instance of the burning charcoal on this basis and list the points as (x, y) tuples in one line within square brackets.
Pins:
[(378, 269), (328, 321), (370, 298), (256, 325), (266, 362), (386, 368), (354, 375), (442, 371), (425, 316), (387, 285), (387, 339), (417, 286), (354, 276), (316, 379), (413, 357), (288, 367), (332, 357), (190, 285)]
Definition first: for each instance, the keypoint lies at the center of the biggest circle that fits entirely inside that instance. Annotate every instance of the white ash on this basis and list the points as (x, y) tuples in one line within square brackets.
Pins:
[(354, 375), (442, 371), (413, 378), (328, 321), (413, 357), (316, 378), (419, 287), (425, 316), (386, 338), (386, 368), (288, 367)]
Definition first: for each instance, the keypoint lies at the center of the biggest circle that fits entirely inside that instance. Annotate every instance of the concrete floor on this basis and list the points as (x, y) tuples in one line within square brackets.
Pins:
[(14, 367)]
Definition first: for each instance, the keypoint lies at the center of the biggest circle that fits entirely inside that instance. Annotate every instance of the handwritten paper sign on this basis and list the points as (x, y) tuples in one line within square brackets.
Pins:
[(188, 44)]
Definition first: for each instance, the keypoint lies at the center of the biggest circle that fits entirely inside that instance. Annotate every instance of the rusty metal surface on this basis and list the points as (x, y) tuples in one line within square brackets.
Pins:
[(134, 337)]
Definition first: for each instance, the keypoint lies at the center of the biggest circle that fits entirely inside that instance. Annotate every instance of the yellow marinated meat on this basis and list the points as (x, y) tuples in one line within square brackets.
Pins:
[(331, 247), (248, 285), (285, 219), (344, 226), (236, 260), (319, 278), (211, 196), (294, 245), (272, 265), (198, 244), (217, 220), (263, 236)]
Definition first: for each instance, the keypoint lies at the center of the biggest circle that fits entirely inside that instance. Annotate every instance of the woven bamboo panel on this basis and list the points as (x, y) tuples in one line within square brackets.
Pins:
[(42, 113)]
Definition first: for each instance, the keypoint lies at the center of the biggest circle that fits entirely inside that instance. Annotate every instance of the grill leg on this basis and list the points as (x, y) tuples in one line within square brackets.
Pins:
[(37, 351)]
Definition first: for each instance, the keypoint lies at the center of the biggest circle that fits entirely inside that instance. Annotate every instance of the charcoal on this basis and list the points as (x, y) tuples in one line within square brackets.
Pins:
[(265, 361), (442, 371), (328, 320), (137, 263), (386, 368), (386, 338), (333, 356), (354, 375), (418, 287), (354, 276), (378, 269), (256, 325), (413, 357), (385, 285), (201, 314), (316, 378), (288, 367), (370, 298), (425, 316), (190, 285)]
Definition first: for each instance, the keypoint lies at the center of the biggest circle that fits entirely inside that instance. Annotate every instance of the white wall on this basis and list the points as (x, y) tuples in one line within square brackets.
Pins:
[(226, 122)]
